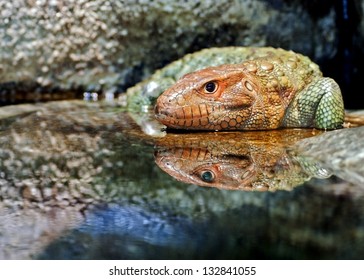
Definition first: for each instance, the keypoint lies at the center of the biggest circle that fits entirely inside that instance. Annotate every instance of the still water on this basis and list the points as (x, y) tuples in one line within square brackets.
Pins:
[(82, 181)]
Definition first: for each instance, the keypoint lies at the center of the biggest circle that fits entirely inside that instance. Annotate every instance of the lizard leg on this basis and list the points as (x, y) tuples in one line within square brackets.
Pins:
[(319, 105)]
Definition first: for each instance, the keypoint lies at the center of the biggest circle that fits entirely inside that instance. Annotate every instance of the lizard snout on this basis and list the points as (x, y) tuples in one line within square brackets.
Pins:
[(162, 111)]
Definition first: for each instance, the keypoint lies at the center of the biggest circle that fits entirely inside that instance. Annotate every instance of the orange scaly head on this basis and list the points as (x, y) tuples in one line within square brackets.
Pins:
[(215, 98)]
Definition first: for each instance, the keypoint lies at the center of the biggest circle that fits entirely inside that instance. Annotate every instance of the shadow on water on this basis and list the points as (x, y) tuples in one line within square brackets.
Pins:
[(81, 181)]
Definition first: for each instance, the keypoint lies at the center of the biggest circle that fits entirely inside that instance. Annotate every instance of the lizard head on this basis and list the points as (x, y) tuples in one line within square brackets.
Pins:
[(214, 98)]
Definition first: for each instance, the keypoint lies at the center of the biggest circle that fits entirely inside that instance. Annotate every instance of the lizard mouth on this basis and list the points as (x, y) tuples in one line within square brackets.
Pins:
[(186, 117)]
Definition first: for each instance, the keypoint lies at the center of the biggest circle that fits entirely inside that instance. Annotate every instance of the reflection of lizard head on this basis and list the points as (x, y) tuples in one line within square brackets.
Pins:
[(200, 167), (256, 160)]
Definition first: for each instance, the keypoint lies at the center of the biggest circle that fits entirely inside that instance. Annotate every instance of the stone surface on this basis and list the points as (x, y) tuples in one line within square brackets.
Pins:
[(341, 151), (110, 45)]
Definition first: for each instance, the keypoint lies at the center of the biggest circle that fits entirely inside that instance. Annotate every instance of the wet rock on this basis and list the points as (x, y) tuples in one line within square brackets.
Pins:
[(341, 151)]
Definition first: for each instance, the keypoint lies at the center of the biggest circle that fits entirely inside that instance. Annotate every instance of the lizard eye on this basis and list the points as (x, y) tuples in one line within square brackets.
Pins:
[(210, 87), (207, 176)]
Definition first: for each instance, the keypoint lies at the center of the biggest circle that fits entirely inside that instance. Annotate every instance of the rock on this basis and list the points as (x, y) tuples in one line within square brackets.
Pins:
[(341, 151), (98, 45)]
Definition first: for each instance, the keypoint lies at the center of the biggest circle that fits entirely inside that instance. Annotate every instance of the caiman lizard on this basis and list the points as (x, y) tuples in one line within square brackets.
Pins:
[(268, 89)]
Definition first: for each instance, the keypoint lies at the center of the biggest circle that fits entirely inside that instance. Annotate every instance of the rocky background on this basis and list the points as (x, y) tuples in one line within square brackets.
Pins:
[(56, 49)]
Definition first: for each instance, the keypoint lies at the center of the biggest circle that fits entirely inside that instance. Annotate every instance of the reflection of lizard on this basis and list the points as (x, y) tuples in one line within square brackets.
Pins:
[(237, 161), (273, 88)]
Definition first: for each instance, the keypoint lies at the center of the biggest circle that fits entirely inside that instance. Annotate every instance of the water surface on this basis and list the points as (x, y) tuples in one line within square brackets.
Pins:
[(82, 181)]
